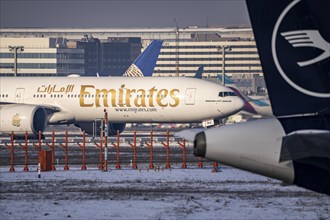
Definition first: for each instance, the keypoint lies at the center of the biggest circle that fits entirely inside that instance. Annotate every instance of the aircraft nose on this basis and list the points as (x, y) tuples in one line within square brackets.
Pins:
[(239, 103)]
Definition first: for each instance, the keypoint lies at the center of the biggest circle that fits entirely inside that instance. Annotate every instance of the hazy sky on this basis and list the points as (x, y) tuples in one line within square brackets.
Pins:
[(121, 13)]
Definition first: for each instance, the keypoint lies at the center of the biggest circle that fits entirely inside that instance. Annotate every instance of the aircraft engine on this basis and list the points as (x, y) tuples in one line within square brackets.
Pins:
[(231, 145), (88, 127), (263, 146), (22, 118)]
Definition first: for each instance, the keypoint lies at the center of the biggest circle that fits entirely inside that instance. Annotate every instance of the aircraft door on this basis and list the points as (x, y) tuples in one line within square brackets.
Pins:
[(190, 96), (19, 95)]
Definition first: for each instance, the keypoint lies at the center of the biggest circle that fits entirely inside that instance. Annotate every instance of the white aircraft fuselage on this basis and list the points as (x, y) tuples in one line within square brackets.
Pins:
[(145, 99)]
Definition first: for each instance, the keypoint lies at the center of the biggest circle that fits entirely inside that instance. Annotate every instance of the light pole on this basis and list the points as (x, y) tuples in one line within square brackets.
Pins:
[(224, 50), (15, 49)]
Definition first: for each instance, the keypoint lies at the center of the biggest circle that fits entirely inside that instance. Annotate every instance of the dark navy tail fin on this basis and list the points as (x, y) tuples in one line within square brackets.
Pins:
[(199, 73), (293, 40), (145, 63)]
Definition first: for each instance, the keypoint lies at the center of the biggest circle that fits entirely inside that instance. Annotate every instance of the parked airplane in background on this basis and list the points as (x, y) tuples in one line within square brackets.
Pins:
[(294, 145), (145, 63), (253, 106)]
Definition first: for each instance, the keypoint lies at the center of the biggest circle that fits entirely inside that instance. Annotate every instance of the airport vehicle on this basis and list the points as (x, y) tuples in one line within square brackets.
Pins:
[(252, 106), (293, 43)]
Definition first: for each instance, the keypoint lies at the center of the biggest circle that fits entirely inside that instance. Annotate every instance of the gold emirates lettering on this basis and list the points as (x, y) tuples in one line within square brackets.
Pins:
[(123, 97)]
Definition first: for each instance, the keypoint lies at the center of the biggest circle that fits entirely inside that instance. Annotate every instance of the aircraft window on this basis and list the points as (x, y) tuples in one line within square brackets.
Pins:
[(34, 96), (89, 96), (225, 94), (51, 96), (75, 96), (6, 96), (61, 96)]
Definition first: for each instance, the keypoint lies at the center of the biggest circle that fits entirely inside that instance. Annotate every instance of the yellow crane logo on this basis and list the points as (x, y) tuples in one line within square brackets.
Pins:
[(16, 120)]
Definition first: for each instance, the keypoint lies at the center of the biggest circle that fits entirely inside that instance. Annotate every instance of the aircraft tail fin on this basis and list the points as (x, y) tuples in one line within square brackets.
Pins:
[(199, 73), (293, 40), (228, 81), (145, 63)]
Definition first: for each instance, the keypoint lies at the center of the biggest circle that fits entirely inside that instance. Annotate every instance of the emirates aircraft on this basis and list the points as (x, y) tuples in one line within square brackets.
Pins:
[(30, 103)]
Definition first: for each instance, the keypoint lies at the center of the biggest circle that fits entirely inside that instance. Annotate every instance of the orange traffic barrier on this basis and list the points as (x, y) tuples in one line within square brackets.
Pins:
[(25, 148), (38, 146), (150, 145), (52, 147), (117, 146), (45, 160), (167, 146), (83, 147), (99, 145), (134, 165), (184, 153), (12, 156), (51, 143), (200, 163), (65, 146)]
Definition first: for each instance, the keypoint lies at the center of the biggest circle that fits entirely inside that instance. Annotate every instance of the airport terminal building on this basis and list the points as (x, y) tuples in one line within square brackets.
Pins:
[(183, 51)]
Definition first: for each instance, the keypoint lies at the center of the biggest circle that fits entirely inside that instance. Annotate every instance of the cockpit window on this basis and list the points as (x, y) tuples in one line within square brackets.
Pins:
[(225, 94)]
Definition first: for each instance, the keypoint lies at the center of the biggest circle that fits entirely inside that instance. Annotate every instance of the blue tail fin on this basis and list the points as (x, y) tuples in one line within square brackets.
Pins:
[(227, 80), (145, 63), (199, 73)]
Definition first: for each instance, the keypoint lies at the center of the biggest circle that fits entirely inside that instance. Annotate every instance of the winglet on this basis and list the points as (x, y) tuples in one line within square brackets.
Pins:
[(145, 63)]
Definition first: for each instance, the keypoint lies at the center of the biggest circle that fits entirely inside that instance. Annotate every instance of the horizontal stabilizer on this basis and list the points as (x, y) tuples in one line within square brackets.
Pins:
[(305, 144)]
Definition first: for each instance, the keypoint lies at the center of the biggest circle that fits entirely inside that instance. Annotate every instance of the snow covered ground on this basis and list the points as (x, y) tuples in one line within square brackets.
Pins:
[(163, 194)]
